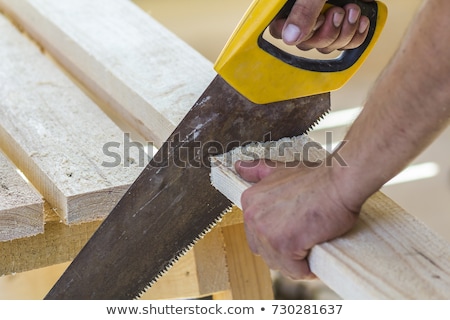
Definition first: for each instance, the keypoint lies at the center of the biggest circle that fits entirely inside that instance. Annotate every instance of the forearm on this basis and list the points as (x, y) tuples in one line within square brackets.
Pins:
[(407, 108), (288, 210)]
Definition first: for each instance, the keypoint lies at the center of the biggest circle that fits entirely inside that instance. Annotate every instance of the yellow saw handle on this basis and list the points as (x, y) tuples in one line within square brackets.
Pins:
[(264, 73)]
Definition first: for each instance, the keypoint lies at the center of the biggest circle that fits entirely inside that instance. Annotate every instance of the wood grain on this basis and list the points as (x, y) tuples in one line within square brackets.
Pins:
[(249, 275), (59, 243)]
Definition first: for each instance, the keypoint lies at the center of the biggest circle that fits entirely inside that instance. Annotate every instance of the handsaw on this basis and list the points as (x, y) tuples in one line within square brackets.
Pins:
[(260, 93)]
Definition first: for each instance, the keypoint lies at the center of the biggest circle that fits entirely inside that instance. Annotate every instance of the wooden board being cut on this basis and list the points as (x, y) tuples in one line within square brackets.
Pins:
[(21, 207), (147, 75), (56, 135), (388, 255)]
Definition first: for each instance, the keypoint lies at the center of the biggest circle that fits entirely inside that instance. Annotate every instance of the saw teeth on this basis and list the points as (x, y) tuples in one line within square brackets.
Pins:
[(171, 263), (317, 121)]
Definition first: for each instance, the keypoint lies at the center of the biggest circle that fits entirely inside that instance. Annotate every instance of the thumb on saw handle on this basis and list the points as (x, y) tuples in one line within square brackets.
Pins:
[(264, 73)]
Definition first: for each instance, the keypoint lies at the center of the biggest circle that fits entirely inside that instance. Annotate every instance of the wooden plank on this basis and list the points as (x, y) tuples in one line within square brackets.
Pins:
[(59, 243), (249, 276), (211, 264), (32, 285), (388, 255), (21, 207), (56, 135), (143, 72)]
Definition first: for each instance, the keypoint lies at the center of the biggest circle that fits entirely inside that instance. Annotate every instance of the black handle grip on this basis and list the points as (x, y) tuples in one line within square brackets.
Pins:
[(344, 61)]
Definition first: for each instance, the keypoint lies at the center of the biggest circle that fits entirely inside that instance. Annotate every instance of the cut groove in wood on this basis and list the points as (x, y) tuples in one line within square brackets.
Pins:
[(147, 75), (388, 255), (56, 136), (21, 207)]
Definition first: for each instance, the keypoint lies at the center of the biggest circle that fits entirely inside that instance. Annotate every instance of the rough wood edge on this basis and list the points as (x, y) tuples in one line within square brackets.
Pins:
[(21, 207), (59, 243)]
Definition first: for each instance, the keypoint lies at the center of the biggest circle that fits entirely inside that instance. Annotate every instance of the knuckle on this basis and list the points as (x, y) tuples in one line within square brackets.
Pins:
[(304, 15), (355, 42), (302, 10)]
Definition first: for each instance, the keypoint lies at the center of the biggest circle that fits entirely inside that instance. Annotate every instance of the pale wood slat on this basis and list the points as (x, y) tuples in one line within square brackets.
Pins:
[(55, 134), (388, 255), (249, 275)]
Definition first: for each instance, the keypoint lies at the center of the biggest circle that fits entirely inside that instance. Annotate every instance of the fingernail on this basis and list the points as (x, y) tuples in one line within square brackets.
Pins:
[(363, 25), (245, 163), (353, 16), (291, 33), (338, 17)]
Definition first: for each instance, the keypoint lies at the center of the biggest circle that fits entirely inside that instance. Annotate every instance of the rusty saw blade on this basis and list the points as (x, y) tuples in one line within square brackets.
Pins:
[(172, 203)]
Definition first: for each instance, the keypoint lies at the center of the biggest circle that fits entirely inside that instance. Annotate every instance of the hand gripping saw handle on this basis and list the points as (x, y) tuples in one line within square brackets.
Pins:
[(264, 73)]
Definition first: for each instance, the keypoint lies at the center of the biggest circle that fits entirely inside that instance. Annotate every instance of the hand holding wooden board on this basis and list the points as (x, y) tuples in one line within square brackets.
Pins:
[(388, 255)]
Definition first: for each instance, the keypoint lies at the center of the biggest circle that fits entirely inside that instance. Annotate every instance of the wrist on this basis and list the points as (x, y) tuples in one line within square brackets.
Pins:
[(352, 185)]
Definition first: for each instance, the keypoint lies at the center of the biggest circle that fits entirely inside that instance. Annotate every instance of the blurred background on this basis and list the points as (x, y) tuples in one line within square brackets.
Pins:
[(423, 189)]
